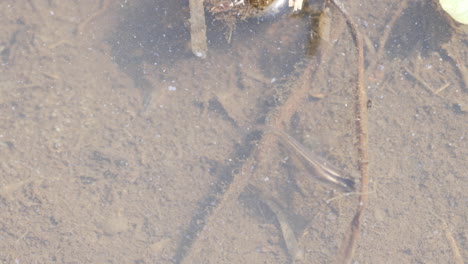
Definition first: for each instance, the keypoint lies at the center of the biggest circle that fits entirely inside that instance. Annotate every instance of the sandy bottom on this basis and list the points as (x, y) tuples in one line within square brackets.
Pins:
[(118, 149)]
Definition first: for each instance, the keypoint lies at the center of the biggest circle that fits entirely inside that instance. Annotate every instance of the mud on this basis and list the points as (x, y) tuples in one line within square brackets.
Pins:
[(117, 144)]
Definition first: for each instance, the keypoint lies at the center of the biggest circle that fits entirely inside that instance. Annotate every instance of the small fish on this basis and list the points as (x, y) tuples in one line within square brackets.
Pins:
[(324, 170)]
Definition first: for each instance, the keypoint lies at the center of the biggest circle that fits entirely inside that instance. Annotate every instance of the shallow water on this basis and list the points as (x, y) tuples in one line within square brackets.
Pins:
[(120, 146)]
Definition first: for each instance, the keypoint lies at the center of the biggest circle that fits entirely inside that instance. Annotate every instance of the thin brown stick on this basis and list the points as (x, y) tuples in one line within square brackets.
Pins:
[(198, 28), (442, 88), (348, 245), (452, 242), (420, 80)]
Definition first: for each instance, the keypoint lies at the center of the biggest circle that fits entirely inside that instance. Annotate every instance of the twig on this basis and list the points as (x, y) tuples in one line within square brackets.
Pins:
[(448, 235), (420, 80), (198, 28), (453, 244), (443, 87), (348, 245)]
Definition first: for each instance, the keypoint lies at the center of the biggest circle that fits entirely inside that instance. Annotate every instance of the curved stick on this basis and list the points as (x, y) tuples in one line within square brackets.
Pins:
[(348, 245)]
